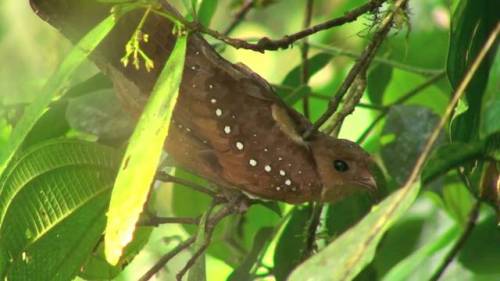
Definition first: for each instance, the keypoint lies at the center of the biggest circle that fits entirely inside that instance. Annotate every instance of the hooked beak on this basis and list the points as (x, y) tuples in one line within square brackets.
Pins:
[(368, 182)]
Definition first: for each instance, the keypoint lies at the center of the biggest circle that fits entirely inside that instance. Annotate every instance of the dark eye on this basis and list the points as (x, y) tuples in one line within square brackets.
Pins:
[(340, 165)]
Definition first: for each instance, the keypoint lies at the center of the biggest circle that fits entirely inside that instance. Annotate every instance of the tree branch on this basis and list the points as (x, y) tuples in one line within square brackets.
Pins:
[(266, 43), (164, 177), (363, 62)]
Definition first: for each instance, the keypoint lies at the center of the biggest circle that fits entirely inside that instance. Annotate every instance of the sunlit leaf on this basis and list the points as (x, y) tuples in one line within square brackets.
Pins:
[(352, 251), (141, 159)]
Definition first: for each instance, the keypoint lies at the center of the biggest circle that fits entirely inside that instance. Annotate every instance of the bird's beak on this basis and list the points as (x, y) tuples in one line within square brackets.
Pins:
[(369, 182)]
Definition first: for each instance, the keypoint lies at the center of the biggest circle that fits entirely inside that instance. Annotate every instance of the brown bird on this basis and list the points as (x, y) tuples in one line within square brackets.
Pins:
[(228, 126)]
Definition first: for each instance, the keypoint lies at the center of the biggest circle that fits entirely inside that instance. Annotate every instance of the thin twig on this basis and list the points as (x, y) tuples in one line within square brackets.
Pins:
[(402, 99), (164, 177), (210, 226), (240, 15), (410, 68), (226, 210), (334, 125), (364, 60), (265, 43), (304, 56), (166, 258), (360, 104), (471, 223), (312, 227)]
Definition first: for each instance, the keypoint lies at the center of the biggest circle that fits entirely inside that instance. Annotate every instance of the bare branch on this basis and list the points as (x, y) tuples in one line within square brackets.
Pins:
[(363, 62), (266, 43), (164, 177)]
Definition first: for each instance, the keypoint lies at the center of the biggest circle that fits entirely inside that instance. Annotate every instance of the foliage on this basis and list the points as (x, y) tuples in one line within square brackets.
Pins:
[(68, 152)]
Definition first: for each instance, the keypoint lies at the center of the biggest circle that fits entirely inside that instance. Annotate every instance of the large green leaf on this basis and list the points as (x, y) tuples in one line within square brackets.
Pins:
[(403, 137), (54, 88), (378, 79), (352, 251), (206, 11), (291, 245), (261, 241), (141, 159), (52, 203), (293, 78), (472, 23), (423, 262), (481, 251)]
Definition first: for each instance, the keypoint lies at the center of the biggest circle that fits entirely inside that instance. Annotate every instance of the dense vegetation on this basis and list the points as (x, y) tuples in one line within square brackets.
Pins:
[(422, 78)]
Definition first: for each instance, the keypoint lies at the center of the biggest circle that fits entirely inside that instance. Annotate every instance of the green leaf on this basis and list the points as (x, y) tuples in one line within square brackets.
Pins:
[(403, 137), (472, 23), (243, 272), (289, 251), (450, 156), (293, 78), (141, 159), (480, 253), (54, 88), (379, 78), (491, 103), (422, 263), (206, 11), (347, 212), (52, 203), (352, 251), (97, 113)]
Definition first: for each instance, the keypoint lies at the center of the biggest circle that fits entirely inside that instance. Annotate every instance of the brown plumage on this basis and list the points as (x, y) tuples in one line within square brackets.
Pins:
[(228, 125)]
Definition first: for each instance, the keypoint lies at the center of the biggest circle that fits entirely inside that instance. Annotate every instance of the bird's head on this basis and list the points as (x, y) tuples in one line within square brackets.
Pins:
[(344, 168)]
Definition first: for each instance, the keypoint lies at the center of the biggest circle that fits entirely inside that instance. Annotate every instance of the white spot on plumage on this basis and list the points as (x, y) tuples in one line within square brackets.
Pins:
[(267, 168), (210, 86), (288, 182), (227, 130), (239, 145), (213, 101), (278, 188), (218, 112), (282, 173), (252, 162)]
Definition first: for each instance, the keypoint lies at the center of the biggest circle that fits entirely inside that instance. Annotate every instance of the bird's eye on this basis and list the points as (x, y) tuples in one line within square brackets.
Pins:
[(340, 165)]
